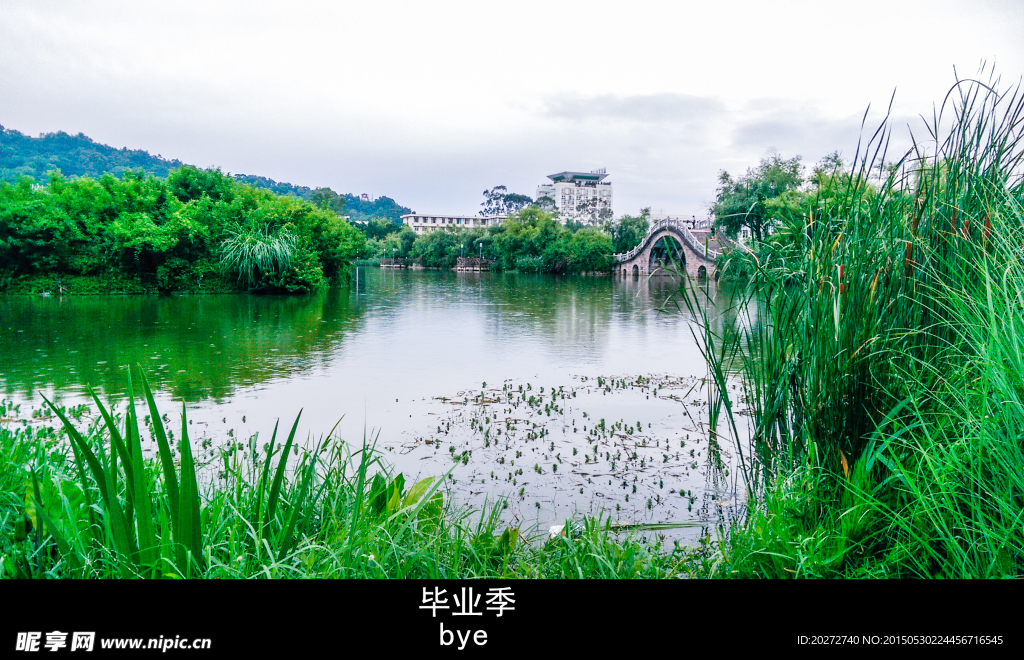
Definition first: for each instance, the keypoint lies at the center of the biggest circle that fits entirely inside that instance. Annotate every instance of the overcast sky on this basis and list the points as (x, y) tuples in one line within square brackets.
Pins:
[(431, 102)]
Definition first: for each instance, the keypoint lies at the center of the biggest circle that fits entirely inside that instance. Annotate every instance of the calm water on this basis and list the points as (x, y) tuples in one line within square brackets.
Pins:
[(430, 364)]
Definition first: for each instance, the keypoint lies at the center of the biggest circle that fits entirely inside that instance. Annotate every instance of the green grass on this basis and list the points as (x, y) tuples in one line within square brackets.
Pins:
[(88, 503), (883, 357)]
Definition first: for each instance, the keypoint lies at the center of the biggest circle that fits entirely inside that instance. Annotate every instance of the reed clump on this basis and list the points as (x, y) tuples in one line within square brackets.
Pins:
[(884, 362)]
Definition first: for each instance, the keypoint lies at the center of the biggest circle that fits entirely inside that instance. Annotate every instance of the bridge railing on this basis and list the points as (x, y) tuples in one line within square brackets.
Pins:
[(701, 248), (473, 263), (683, 229)]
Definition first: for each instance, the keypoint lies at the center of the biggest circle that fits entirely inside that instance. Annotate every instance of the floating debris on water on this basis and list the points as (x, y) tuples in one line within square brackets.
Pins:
[(561, 451)]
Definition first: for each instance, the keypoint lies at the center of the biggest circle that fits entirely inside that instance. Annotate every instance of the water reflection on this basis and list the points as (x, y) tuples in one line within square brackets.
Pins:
[(436, 324), (193, 347)]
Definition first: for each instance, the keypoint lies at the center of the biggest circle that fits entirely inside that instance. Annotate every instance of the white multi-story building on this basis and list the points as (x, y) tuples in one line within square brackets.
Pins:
[(423, 223), (581, 196)]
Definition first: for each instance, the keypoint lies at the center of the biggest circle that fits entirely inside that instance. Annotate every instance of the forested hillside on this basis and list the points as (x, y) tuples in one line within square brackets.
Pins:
[(357, 209), (78, 155), (74, 155)]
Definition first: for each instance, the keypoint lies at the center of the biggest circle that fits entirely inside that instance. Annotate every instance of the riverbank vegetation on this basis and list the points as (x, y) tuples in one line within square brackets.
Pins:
[(530, 240), (88, 501), (882, 362), (201, 231), (197, 230), (78, 217)]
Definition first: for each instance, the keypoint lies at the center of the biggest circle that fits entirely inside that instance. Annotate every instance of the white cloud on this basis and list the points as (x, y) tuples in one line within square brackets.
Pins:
[(664, 108)]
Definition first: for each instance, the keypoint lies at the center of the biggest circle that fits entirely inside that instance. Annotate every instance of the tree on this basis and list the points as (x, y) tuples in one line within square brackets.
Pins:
[(525, 234), (586, 208), (629, 230), (406, 238), (743, 202), (591, 211), (325, 198), (380, 227), (574, 225), (545, 203), (590, 251), (359, 209), (498, 201), (829, 167), (188, 183)]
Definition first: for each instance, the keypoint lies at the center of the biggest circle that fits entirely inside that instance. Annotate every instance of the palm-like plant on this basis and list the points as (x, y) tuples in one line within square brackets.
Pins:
[(252, 251)]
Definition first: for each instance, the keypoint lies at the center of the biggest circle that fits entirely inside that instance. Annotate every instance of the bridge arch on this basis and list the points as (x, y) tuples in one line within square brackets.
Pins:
[(664, 238), (667, 254)]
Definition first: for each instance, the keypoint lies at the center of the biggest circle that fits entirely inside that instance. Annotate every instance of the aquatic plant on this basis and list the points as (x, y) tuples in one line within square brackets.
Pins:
[(880, 345)]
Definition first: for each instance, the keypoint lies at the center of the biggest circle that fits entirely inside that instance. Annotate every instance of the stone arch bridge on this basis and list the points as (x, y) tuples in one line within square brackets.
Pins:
[(698, 260)]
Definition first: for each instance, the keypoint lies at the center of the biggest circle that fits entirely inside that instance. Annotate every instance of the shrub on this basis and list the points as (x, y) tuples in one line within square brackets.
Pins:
[(252, 253)]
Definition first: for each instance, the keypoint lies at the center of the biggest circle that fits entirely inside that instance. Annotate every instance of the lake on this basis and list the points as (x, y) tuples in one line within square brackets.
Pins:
[(565, 395)]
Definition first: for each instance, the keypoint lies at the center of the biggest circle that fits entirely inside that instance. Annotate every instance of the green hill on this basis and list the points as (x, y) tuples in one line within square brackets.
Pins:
[(78, 155), (74, 155), (357, 209)]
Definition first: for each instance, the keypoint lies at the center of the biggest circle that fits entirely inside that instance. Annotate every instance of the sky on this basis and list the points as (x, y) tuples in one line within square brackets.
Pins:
[(430, 103)]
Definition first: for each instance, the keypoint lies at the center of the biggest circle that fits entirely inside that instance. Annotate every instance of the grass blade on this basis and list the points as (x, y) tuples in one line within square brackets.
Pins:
[(166, 459), (190, 532), (275, 489), (115, 437), (137, 480)]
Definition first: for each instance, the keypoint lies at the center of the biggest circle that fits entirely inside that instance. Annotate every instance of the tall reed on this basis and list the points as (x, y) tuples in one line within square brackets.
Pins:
[(882, 361)]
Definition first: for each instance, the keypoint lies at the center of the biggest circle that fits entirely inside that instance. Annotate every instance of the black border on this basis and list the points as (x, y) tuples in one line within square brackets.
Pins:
[(684, 616)]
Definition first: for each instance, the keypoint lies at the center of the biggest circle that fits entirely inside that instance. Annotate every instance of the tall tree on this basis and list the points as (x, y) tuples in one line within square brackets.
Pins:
[(589, 210), (545, 203), (326, 198), (743, 202), (379, 227), (628, 231), (498, 201)]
